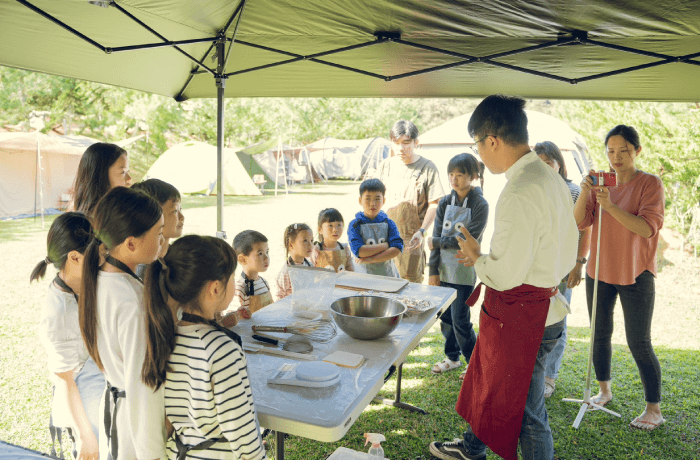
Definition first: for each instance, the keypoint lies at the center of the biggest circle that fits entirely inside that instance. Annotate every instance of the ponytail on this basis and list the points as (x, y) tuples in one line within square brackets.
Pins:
[(88, 300), (179, 278), (120, 214), (160, 326), (39, 270), (71, 231)]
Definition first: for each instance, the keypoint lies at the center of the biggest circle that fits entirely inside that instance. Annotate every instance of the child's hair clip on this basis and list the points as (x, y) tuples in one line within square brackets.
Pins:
[(295, 226)]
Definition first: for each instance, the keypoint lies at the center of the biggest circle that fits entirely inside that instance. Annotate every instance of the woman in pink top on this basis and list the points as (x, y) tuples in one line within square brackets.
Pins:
[(633, 214)]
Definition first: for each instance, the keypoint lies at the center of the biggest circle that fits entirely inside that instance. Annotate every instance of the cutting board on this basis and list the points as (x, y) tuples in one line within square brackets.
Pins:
[(364, 282)]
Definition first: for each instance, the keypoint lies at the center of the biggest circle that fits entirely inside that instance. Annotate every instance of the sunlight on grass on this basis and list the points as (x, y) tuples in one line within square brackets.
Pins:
[(376, 408), (422, 351), (415, 366)]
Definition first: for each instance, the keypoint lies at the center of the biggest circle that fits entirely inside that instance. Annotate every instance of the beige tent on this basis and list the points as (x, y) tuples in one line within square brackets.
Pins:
[(191, 168), (37, 170)]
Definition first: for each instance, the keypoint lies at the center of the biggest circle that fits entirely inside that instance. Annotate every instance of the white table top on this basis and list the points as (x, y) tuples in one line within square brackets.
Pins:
[(326, 414)]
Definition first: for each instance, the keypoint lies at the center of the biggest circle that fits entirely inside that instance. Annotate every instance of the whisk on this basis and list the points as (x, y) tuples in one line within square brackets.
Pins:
[(317, 330)]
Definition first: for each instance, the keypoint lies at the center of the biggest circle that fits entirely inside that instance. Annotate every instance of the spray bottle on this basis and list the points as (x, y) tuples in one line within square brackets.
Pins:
[(375, 452)]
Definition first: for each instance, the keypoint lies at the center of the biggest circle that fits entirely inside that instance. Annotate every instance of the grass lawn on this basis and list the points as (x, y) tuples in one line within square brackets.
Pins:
[(25, 389)]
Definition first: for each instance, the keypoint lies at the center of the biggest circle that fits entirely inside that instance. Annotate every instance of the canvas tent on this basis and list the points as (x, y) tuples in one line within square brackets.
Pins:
[(451, 138), (349, 159), (443, 142), (23, 187), (191, 168), (389, 48)]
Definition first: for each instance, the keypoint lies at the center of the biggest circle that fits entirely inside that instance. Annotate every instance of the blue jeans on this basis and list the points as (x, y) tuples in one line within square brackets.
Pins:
[(456, 325), (536, 441), (553, 362)]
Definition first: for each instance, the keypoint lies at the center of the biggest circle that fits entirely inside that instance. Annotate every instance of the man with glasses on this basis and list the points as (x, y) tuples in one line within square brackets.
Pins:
[(532, 248)]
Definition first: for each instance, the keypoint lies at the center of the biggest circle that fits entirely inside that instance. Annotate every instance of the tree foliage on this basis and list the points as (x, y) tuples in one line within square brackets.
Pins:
[(669, 132)]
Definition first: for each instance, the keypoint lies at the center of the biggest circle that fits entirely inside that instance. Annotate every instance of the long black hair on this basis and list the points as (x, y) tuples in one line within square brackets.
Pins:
[(120, 214), (191, 262), (69, 232), (92, 180)]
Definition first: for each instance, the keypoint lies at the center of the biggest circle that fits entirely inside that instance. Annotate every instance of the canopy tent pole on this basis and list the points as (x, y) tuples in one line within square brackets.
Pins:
[(220, 87), (40, 181)]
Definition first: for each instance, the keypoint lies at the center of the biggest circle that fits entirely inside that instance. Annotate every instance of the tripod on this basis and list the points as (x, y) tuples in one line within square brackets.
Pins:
[(586, 403)]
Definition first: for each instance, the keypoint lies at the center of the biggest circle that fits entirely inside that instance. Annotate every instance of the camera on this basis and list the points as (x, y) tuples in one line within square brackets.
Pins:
[(604, 179)]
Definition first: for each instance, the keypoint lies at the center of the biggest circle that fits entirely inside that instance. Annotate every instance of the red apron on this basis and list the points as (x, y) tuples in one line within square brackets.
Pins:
[(493, 395)]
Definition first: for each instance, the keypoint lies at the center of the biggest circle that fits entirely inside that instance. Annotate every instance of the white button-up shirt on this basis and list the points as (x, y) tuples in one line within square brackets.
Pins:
[(535, 235)]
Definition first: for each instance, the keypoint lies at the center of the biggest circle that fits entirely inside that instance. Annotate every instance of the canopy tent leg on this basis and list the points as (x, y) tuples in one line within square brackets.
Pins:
[(220, 87)]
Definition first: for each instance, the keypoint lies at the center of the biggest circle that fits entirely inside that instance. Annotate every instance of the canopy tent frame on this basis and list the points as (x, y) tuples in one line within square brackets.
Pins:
[(574, 37)]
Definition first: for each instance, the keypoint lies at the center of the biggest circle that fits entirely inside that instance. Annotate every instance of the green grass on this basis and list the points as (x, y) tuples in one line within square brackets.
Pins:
[(600, 436), (25, 389)]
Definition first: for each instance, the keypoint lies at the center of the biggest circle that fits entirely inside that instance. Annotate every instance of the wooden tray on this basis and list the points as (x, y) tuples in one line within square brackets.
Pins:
[(364, 282)]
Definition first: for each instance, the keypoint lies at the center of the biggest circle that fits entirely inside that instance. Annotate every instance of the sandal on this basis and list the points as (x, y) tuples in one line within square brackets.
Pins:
[(548, 388), (462, 375), (645, 426), (445, 365)]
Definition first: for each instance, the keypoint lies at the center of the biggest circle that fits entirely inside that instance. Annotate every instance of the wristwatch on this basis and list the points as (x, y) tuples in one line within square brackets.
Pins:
[(582, 260), (422, 231)]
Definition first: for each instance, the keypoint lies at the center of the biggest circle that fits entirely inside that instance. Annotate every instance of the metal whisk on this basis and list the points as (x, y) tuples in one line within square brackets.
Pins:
[(317, 330)]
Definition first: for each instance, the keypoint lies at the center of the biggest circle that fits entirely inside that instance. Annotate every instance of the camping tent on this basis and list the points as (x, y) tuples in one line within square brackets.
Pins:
[(339, 158), (451, 138), (23, 187), (191, 168), (390, 48)]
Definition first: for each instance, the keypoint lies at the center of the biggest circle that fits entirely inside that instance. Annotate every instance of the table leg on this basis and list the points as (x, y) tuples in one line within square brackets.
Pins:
[(279, 445), (397, 401)]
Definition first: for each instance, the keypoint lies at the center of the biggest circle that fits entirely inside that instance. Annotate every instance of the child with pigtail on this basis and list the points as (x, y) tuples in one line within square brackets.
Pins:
[(298, 245), (78, 382)]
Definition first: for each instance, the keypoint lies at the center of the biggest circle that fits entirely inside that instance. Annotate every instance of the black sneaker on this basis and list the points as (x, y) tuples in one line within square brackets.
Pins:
[(453, 450)]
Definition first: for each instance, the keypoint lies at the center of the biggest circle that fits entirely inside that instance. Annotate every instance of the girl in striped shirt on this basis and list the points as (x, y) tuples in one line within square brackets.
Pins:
[(208, 398)]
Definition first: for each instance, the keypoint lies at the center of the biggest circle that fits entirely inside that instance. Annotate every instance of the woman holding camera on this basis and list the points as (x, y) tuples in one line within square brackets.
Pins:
[(632, 215)]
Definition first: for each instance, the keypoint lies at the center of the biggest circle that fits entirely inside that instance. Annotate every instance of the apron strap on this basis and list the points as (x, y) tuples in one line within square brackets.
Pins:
[(122, 266), (466, 200), (190, 318), (182, 449), (474, 295), (63, 285), (110, 420), (249, 285)]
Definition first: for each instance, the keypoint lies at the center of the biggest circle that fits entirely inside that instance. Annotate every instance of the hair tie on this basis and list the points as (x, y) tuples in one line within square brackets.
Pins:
[(97, 239), (47, 261), (295, 226)]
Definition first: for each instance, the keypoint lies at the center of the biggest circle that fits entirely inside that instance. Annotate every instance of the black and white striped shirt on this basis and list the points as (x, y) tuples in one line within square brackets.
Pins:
[(208, 396)]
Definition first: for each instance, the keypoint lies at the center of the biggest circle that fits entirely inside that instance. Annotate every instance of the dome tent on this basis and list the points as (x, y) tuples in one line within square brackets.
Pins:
[(191, 168)]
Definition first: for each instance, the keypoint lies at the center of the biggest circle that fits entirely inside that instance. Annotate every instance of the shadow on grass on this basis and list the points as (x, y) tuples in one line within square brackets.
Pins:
[(600, 436)]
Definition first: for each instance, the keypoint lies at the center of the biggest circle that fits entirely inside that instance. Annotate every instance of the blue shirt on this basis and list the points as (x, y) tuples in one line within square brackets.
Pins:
[(355, 238)]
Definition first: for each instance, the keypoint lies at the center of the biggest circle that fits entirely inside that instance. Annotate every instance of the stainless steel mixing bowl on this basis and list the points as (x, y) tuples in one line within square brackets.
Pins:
[(367, 317)]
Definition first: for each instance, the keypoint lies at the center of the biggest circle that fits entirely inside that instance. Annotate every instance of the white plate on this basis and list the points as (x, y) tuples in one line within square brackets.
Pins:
[(316, 371)]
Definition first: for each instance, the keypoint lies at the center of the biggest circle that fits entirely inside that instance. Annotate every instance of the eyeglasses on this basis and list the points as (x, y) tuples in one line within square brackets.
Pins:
[(475, 148)]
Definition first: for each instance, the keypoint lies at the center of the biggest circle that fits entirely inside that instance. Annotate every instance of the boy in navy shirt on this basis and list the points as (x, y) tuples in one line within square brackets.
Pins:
[(374, 238)]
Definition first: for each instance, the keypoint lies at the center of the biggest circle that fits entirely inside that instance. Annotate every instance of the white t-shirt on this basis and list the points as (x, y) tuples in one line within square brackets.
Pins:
[(59, 332), (121, 342)]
